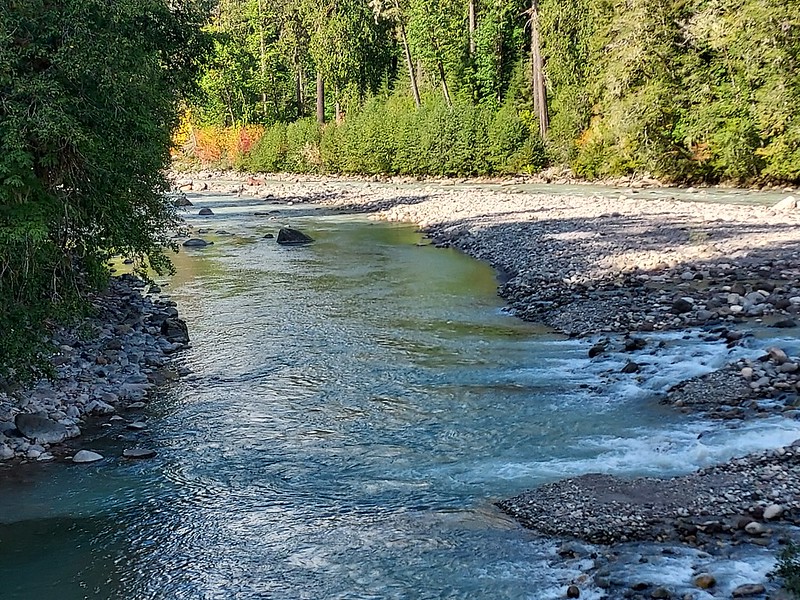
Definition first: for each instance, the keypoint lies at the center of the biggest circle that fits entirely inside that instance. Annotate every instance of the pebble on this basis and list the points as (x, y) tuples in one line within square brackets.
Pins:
[(773, 511)]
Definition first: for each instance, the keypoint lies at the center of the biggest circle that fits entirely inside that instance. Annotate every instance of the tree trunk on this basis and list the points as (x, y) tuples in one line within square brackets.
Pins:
[(537, 73), (472, 26), (320, 99), (407, 52), (263, 45), (445, 89), (299, 93)]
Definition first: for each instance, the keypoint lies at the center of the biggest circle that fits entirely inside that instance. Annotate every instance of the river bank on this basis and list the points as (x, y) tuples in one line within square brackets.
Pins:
[(104, 370), (618, 270)]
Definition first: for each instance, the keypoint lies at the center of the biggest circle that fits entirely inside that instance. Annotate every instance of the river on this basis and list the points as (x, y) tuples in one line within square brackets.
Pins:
[(354, 409)]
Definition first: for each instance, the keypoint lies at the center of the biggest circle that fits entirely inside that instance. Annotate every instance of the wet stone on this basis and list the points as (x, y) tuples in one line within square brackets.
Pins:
[(138, 453)]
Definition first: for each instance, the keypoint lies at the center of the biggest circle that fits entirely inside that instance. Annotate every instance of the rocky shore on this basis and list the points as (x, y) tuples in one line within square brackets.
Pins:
[(104, 370), (619, 268)]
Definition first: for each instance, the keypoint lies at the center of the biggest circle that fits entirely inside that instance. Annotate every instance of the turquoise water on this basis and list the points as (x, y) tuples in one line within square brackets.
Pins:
[(355, 407)]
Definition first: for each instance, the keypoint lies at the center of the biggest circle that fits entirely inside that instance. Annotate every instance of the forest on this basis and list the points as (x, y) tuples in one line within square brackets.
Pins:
[(98, 100), (683, 90)]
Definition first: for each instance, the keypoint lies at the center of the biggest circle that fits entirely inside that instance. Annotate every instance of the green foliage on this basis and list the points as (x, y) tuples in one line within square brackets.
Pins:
[(706, 89), (89, 104), (788, 568), (368, 140), (268, 154), (514, 148), (302, 147), (331, 147), (692, 90), (499, 47), (393, 137), (567, 28)]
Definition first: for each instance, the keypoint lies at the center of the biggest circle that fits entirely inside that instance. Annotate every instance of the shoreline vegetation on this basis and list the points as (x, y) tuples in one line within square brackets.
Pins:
[(619, 269)]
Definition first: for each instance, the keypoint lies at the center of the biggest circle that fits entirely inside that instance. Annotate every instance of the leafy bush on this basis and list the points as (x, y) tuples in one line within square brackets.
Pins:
[(514, 148), (788, 568), (90, 96), (302, 146), (369, 143), (268, 154), (331, 147), (392, 136)]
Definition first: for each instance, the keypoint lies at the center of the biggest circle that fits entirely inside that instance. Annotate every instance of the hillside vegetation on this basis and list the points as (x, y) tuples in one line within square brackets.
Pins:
[(685, 90)]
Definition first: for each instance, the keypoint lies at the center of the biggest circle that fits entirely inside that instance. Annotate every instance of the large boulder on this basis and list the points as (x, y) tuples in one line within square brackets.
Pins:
[(788, 204), (291, 237), (86, 456), (40, 428), (175, 331)]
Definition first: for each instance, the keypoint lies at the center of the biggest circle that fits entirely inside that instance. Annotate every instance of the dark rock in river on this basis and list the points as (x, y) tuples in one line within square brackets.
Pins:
[(138, 453), (748, 589), (785, 324), (196, 243), (597, 349), (631, 367), (205, 212), (175, 330), (269, 236), (289, 237), (38, 427), (633, 344)]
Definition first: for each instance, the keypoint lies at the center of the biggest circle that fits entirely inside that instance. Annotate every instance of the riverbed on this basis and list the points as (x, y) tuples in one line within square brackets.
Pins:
[(355, 408)]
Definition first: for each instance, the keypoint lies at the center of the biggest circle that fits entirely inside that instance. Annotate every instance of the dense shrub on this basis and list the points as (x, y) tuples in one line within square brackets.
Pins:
[(89, 103), (268, 154), (368, 142), (394, 137), (302, 147)]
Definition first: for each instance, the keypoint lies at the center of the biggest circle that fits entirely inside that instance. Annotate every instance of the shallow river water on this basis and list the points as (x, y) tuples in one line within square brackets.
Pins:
[(355, 407)]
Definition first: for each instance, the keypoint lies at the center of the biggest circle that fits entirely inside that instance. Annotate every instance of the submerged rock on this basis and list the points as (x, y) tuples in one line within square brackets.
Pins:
[(205, 212), (290, 237), (705, 581), (748, 589), (197, 243), (630, 367), (138, 453)]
